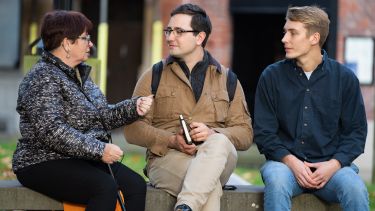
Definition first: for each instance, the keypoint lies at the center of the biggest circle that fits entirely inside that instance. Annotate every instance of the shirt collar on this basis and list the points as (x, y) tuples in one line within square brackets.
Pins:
[(324, 59), (211, 61), (83, 68)]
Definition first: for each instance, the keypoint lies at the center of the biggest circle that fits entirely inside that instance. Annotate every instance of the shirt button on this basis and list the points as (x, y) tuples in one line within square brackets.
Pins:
[(307, 90), (300, 74), (302, 142), (305, 107), (190, 118), (305, 124)]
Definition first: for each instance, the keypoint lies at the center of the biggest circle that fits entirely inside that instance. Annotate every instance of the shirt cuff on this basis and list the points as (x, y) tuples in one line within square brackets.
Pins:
[(279, 154), (344, 161)]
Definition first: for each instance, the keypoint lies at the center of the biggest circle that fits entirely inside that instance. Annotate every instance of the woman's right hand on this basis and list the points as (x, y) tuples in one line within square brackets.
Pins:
[(144, 104), (112, 153)]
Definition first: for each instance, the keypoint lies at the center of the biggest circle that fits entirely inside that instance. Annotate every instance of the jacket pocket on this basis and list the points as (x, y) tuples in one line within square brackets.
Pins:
[(165, 102), (220, 100)]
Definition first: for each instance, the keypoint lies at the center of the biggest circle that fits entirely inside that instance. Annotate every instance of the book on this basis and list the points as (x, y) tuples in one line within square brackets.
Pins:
[(186, 129)]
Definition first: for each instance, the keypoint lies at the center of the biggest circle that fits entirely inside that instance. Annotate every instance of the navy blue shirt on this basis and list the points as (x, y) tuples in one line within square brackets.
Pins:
[(316, 119)]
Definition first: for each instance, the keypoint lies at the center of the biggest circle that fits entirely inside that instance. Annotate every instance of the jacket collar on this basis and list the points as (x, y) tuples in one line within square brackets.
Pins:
[(322, 64), (83, 68), (211, 61)]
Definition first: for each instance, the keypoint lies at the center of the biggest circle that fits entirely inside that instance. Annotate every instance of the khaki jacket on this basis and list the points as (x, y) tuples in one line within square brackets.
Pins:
[(175, 96)]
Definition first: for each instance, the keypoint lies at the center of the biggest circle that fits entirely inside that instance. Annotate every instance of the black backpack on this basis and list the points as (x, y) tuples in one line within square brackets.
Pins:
[(157, 70)]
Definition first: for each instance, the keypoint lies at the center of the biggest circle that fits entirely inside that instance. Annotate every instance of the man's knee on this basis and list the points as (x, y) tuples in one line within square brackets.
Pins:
[(277, 175), (219, 142), (354, 187)]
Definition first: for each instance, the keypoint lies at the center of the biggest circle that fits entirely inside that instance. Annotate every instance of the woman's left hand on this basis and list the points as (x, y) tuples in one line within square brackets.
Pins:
[(144, 105)]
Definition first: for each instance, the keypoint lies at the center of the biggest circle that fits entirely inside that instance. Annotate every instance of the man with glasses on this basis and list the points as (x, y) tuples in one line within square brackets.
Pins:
[(192, 84)]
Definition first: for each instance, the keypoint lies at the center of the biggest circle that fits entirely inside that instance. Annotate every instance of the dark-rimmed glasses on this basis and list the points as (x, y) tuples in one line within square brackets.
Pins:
[(86, 38), (176, 31)]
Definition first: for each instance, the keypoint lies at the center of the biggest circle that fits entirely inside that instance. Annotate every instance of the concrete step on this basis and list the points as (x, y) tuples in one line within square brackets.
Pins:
[(13, 196)]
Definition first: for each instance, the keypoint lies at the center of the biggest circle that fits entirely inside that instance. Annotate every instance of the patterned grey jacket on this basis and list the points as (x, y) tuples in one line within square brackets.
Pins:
[(60, 118)]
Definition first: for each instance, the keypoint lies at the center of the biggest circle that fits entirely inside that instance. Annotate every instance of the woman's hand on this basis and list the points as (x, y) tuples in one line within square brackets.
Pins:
[(112, 153), (144, 105)]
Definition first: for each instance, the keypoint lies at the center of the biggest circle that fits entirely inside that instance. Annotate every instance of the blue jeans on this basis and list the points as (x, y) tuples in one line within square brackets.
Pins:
[(344, 187)]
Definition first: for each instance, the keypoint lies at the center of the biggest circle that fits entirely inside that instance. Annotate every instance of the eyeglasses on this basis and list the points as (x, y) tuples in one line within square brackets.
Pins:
[(176, 32), (86, 38)]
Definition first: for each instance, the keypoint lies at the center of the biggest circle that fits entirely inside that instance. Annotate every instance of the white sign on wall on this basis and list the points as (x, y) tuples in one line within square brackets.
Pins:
[(359, 56)]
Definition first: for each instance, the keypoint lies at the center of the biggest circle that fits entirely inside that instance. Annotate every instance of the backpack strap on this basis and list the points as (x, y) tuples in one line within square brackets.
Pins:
[(231, 84), (157, 70)]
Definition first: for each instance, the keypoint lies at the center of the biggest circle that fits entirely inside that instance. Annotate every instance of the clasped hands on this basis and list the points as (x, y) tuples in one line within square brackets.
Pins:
[(199, 133), (308, 178)]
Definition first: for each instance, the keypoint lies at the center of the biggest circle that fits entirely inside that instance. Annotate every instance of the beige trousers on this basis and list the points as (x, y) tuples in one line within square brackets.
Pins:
[(196, 180)]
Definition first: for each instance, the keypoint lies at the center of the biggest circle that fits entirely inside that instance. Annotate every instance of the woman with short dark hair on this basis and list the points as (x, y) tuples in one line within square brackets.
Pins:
[(65, 150)]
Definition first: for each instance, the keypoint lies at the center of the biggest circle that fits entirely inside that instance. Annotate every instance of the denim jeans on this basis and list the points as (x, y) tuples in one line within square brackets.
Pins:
[(344, 187)]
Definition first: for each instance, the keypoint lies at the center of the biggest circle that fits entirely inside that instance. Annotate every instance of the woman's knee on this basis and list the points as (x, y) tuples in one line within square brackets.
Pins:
[(140, 184), (132, 183), (106, 186)]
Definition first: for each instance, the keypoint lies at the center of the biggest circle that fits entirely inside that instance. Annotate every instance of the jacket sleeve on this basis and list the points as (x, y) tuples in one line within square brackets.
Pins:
[(112, 115), (141, 132), (44, 104), (238, 123), (353, 123), (266, 125)]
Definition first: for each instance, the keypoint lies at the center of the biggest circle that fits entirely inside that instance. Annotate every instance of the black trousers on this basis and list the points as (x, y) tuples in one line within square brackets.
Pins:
[(86, 182)]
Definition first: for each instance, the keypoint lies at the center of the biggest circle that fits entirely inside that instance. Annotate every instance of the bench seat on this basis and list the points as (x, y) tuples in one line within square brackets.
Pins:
[(13, 196)]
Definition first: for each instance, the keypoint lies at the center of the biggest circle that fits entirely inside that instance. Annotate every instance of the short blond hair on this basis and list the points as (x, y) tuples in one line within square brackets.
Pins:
[(314, 18)]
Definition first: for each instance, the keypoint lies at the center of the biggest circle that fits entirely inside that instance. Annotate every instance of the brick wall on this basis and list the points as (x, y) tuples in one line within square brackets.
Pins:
[(357, 18)]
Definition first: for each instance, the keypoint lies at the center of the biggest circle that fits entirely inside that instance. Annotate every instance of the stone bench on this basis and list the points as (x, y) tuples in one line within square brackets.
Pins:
[(13, 196)]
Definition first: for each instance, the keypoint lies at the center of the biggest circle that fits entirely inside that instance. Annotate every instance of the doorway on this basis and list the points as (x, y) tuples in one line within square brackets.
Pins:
[(256, 44)]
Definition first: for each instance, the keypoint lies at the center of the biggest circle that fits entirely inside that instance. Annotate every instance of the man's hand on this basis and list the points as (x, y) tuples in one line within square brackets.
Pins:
[(301, 171), (324, 171), (144, 105), (112, 153), (177, 142), (200, 131)]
